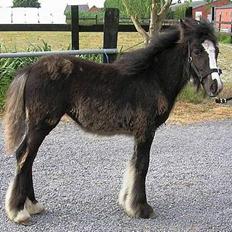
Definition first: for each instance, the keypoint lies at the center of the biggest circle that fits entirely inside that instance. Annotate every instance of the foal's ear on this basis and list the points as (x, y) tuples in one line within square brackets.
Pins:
[(186, 27), (188, 23)]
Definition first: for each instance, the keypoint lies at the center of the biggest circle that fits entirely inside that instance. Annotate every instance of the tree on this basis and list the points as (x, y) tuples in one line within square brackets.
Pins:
[(139, 8), (26, 3), (156, 10), (180, 10)]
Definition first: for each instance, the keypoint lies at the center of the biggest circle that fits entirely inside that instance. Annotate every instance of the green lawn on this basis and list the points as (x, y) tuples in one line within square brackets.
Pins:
[(20, 41)]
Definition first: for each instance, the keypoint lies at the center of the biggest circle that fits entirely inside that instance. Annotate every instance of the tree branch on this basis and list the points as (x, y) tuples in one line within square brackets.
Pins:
[(126, 5), (136, 22), (153, 17), (164, 9), (159, 9), (139, 28)]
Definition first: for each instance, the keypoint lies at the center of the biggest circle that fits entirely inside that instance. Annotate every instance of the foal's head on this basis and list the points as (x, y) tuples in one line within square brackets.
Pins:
[(201, 44)]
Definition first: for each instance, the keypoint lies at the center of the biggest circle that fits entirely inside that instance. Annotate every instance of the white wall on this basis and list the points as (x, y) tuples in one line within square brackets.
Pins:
[(5, 15), (30, 16)]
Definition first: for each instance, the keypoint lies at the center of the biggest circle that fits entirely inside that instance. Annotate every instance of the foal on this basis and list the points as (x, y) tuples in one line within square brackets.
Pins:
[(134, 95)]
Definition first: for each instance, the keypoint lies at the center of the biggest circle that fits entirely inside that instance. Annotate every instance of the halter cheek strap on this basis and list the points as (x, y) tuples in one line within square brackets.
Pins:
[(196, 71)]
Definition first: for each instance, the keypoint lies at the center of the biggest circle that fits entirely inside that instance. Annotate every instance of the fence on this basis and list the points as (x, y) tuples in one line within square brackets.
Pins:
[(105, 52), (218, 25), (100, 20), (110, 27)]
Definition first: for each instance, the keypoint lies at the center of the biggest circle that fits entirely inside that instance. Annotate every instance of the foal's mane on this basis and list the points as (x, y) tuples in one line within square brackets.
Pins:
[(139, 60)]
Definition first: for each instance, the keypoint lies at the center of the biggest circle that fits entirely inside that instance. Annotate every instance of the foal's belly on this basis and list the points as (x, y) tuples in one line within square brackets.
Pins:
[(107, 118)]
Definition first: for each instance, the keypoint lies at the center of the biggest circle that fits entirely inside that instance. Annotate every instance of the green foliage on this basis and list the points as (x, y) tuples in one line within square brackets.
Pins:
[(9, 66), (26, 3), (224, 38), (115, 4), (138, 8), (87, 18), (190, 94), (83, 14), (179, 12)]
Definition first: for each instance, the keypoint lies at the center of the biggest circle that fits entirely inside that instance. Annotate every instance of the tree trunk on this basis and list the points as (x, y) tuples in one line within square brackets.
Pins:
[(156, 19), (140, 30)]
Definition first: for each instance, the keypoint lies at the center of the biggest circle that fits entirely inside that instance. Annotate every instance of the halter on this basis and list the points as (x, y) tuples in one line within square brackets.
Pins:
[(195, 69)]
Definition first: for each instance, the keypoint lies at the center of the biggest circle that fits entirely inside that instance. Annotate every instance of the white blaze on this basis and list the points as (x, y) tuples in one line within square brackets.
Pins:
[(210, 49)]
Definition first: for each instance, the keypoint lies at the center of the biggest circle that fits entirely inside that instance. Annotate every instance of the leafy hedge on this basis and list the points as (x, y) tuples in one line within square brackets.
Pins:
[(224, 38), (191, 95), (9, 66)]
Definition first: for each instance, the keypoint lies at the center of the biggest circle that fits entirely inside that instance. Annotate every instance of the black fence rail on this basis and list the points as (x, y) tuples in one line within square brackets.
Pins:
[(68, 27)]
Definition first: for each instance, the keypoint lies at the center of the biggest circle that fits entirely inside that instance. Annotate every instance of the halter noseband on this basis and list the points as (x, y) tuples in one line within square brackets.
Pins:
[(195, 69)]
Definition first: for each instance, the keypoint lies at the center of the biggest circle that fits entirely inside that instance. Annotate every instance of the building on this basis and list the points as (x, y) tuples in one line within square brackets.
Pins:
[(203, 10), (95, 9), (82, 8), (224, 14)]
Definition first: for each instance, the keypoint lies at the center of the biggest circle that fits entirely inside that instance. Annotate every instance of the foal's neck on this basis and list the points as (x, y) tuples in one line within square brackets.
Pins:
[(172, 73)]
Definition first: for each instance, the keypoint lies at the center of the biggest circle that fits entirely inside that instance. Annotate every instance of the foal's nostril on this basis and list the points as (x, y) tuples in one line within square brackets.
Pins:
[(214, 87)]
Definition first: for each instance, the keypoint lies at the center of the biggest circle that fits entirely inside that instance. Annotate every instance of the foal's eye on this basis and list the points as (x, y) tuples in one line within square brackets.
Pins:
[(197, 52)]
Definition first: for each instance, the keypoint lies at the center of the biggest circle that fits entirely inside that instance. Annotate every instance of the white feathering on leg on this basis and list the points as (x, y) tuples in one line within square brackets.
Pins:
[(22, 216), (10, 212), (18, 217), (34, 208), (126, 193)]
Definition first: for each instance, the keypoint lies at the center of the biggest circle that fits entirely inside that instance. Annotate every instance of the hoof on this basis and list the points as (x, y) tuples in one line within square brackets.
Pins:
[(139, 211), (143, 211), (35, 208), (135, 210), (15, 215), (22, 217)]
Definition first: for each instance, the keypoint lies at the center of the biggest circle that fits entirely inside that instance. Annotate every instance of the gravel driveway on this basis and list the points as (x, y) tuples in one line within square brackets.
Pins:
[(77, 177)]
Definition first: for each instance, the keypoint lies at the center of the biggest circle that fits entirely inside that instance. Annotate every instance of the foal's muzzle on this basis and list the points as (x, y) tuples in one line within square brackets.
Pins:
[(214, 87), (213, 84)]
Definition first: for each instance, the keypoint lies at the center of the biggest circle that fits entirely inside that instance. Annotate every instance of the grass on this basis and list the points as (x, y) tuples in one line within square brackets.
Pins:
[(9, 66), (224, 38), (20, 41), (185, 113), (191, 95)]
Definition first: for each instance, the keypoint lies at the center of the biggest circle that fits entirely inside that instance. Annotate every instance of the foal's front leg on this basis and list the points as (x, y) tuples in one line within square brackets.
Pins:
[(132, 196)]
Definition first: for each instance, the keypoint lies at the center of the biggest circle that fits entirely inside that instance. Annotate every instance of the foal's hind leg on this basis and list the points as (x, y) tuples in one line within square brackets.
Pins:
[(20, 198), (132, 196), (31, 204)]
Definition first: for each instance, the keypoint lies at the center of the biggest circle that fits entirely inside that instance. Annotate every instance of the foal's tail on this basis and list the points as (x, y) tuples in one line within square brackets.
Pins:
[(14, 119)]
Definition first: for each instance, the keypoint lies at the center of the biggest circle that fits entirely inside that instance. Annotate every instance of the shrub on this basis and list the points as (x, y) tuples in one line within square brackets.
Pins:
[(224, 38), (191, 95), (9, 66)]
